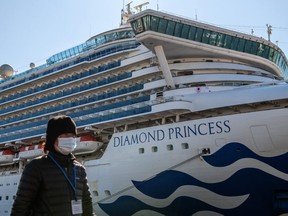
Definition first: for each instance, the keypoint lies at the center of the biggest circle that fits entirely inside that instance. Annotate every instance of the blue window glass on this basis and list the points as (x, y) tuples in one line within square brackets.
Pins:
[(227, 41), (254, 47), (248, 46), (178, 29), (213, 38), (146, 23), (220, 40), (234, 43), (206, 36), (260, 50), (170, 28), (185, 31), (162, 26), (154, 23), (192, 33), (198, 35)]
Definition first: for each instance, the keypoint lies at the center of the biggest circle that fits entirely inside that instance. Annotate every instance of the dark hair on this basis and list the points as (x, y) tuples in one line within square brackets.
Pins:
[(56, 126)]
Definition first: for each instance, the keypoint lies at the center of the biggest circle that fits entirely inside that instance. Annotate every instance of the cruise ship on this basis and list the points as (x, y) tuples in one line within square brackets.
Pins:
[(175, 117)]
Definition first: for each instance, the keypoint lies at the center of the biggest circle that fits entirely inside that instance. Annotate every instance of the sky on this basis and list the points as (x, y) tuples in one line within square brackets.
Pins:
[(34, 30)]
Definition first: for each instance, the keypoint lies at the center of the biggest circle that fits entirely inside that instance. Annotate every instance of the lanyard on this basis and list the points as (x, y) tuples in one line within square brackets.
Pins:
[(64, 173)]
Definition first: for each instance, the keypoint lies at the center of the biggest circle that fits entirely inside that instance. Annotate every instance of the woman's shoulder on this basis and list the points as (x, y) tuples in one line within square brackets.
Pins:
[(38, 161)]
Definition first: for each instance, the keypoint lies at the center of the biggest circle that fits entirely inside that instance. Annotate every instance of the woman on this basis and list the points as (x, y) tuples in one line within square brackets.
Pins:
[(55, 184)]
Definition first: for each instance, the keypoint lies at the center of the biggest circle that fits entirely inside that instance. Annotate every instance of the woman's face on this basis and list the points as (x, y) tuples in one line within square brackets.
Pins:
[(66, 135)]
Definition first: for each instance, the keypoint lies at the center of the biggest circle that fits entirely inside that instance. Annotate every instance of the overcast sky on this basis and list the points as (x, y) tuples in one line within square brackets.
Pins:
[(34, 30)]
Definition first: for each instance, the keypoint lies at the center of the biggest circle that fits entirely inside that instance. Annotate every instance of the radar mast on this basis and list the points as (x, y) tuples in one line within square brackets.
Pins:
[(127, 12)]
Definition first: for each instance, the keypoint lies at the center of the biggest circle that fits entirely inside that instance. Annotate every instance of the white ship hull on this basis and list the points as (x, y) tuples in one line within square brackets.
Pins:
[(213, 162)]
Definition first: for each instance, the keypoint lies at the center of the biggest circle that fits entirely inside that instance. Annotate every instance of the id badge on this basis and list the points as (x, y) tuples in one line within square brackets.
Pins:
[(76, 207)]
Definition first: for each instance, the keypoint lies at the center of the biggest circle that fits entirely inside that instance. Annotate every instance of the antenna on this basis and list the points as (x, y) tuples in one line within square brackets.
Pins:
[(139, 7), (269, 31)]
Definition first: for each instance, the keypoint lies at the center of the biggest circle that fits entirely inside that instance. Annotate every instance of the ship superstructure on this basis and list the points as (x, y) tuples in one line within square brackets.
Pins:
[(169, 112)]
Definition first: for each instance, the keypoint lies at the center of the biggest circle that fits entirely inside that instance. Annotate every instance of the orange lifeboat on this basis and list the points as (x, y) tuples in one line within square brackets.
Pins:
[(87, 144), (32, 151), (6, 156)]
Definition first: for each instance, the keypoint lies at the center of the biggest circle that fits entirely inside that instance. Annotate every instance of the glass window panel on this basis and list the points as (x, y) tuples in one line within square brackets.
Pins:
[(271, 54), (241, 44), (100, 40), (67, 53), (146, 23), (213, 38), (137, 26), (220, 40), (206, 36), (266, 51), (178, 29), (185, 31), (275, 57), (234, 43), (254, 47), (154, 23), (162, 26), (75, 50), (260, 50), (170, 28), (248, 46), (192, 32), (227, 41), (198, 35), (109, 37)]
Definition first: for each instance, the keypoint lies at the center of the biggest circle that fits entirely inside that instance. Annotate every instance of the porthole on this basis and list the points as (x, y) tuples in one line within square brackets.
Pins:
[(184, 145), (141, 150), (154, 148), (107, 192), (170, 147)]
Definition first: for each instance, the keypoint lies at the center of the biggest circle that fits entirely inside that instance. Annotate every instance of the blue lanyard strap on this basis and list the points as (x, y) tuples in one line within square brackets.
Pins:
[(64, 173)]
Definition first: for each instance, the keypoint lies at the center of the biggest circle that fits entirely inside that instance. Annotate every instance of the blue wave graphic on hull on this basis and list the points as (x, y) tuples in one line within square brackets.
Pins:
[(236, 151), (258, 184)]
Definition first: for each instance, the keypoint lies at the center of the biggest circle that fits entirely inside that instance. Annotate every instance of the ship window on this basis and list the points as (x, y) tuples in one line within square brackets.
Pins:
[(220, 40), (170, 27), (95, 193), (198, 35), (107, 192), (154, 148), (178, 29), (154, 23), (7, 197), (141, 150), (0, 197), (227, 41), (254, 47), (185, 31), (241, 45), (192, 33), (234, 43), (146, 22), (184, 145), (170, 147), (206, 36), (162, 26), (248, 46), (213, 38)]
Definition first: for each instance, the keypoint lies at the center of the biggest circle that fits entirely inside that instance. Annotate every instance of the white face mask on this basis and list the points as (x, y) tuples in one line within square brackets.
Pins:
[(66, 145)]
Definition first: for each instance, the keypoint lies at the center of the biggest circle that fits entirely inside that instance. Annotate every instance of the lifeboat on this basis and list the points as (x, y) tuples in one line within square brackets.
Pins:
[(87, 144), (6, 156), (32, 151)]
